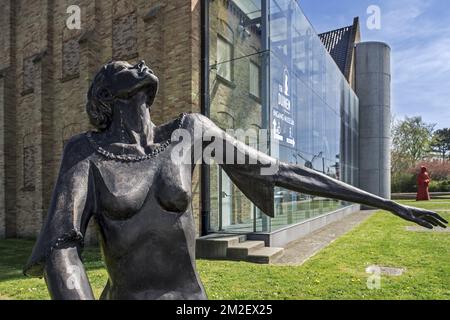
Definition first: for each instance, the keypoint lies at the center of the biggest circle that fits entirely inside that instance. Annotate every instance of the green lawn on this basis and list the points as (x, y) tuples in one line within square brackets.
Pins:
[(337, 272)]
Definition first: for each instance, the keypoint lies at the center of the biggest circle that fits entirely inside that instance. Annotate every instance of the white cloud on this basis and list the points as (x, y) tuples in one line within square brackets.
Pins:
[(400, 18), (420, 59)]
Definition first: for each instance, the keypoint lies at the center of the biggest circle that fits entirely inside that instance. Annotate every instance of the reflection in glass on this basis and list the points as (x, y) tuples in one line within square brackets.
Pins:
[(254, 79), (224, 57), (312, 112)]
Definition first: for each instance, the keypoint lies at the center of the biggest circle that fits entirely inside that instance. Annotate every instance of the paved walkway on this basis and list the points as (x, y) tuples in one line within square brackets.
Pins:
[(298, 251)]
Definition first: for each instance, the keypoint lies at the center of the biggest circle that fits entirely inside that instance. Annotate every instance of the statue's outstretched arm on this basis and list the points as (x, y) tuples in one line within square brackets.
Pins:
[(261, 173), (308, 181)]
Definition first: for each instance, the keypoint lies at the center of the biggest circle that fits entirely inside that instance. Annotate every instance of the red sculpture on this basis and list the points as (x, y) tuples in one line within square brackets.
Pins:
[(423, 180)]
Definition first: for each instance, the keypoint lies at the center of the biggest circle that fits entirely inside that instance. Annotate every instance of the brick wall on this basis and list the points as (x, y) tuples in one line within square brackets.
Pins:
[(47, 69), (2, 159), (7, 119)]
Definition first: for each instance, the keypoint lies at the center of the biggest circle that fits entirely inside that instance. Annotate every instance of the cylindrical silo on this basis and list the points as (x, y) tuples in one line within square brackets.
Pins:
[(373, 87)]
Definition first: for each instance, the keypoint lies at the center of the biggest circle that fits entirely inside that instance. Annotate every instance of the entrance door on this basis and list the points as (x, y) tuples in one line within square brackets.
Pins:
[(226, 198)]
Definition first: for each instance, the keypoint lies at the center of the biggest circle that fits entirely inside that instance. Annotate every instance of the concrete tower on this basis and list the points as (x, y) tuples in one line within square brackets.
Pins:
[(373, 87)]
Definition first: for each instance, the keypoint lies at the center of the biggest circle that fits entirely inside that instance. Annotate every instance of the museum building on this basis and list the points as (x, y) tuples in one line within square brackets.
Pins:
[(324, 100)]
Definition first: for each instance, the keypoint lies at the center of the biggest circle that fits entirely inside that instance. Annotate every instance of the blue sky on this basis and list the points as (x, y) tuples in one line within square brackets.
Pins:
[(418, 32)]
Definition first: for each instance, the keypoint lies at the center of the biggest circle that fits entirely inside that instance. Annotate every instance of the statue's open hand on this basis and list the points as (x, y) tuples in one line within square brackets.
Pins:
[(425, 218)]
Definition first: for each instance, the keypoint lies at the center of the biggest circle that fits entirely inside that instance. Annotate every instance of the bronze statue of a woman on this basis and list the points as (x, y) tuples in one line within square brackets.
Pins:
[(124, 176)]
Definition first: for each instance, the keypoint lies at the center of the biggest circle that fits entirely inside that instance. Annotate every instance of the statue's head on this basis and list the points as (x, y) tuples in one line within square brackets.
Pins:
[(118, 80), (423, 169)]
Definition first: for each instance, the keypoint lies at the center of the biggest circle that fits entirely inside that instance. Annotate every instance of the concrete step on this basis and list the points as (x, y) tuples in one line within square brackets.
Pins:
[(240, 251), (265, 255), (214, 246)]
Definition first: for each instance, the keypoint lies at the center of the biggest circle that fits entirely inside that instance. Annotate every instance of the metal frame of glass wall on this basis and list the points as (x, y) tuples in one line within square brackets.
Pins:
[(304, 100)]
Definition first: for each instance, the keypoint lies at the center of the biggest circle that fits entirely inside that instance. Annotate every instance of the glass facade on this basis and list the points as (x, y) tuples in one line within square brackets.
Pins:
[(269, 69)]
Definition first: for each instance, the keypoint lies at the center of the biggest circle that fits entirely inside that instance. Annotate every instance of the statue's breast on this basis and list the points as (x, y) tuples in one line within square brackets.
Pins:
[(173, 187), (122, 188)]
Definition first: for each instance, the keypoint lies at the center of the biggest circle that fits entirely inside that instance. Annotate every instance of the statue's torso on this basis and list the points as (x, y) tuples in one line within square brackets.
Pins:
[(147, 232)]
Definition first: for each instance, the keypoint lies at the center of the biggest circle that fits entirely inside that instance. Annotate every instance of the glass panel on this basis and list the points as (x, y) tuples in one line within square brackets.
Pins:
[(226, 200), (238, 22), (234, 105), (312, 111), (252, 8), (235, 102)]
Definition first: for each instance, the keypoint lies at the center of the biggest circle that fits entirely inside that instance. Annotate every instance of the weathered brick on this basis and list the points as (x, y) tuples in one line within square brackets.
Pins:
[(36, 33)]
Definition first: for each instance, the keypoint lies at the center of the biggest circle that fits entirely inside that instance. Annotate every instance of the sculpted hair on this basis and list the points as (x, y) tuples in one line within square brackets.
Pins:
[(99, 101)]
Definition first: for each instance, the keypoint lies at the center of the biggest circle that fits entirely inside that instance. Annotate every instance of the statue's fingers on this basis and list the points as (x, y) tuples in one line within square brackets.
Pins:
[(434, 215), (435, 221), (431, 220), (441, 224), (423, 223), (438, 217)]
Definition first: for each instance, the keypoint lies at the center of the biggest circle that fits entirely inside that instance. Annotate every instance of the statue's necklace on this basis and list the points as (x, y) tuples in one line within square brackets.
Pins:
[(131, 157)]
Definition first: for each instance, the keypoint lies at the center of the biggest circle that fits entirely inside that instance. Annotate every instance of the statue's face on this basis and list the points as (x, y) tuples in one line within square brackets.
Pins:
[(125, 80)]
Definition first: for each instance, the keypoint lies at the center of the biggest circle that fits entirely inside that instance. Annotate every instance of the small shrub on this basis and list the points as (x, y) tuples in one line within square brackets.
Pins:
[(403, 183), (439, 186), (406, 181)]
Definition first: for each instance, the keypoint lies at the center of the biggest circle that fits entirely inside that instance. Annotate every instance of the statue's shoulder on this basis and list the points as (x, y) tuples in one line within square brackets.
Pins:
[(78, 143), (183, 121), (194, 116), (76, 150), (191, 119)]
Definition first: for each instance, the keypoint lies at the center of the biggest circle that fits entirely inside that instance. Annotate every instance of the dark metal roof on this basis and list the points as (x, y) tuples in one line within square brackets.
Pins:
[(340, 44)]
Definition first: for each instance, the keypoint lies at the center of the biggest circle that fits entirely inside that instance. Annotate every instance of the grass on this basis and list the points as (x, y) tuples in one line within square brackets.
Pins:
[(337, 272)]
